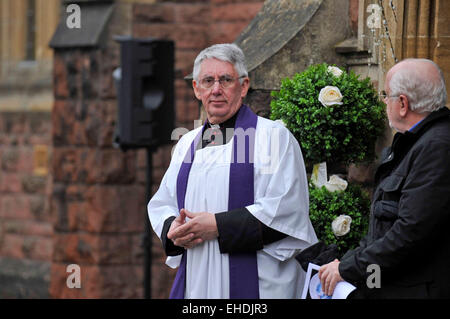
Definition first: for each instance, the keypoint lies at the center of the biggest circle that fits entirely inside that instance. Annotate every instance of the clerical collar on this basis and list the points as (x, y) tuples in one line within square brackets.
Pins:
[(227, 124), (210, 138)]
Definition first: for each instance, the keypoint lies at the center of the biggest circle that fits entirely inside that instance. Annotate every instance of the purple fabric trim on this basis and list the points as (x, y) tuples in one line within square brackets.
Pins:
[(244, 283), (179, 284)]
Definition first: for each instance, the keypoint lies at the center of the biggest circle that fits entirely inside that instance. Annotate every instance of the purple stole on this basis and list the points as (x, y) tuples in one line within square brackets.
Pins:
[(244, 283)]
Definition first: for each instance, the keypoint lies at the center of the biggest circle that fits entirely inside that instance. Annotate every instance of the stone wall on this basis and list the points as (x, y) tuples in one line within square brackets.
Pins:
[(25, 221), (25, 147), (98, 195)]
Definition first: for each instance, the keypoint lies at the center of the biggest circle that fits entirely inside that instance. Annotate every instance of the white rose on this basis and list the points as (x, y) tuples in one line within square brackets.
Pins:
[(341, 225), (330, 95), (336, 184), (335, 71)]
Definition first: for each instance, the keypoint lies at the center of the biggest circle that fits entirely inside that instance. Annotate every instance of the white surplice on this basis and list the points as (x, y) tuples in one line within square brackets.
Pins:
[(281, 202)]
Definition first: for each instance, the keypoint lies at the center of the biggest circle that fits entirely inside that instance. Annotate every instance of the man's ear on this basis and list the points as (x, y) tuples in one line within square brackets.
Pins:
[(404, 105), (196, 90), (245, 86)]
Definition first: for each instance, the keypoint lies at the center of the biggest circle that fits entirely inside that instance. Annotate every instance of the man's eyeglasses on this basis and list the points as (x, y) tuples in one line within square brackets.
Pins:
[(225, 81), (384, 95)]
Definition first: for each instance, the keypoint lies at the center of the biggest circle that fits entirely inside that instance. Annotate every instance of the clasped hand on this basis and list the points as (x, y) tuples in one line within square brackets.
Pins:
[(201, 227)]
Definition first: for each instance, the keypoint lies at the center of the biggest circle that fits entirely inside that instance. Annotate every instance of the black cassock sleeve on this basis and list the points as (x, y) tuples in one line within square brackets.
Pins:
[(168, 245), (240, 231)]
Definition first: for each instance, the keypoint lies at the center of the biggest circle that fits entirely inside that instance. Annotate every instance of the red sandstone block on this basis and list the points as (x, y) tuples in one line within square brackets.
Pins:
[(39, 207), (32, 184), (93, 248), (15, 206), (154, 13), (12, 246), (102, 209), (108, 116), (184, 60), (187, 111), (27, 227), (66, 249), (63, 120), (195, 13), (110, 60), (25, 163), (75, 192), (40, 123), (58, 207), (141, 160), (141, 176), (192, 110), (78, 135), (40, 248), (10, 183), (107, 166), (60, 87), (122, 281), (235, 11), (137, 248), (158, 158), (182, 91), (37, 228), (117, 166), (163, 277), (6, 140), (115, 208), (40, 140), (89, 169), (64, 164), (19, 124), (186, 36), (10, 158), (117, 248), (157, 174), (180, 112), (2, 124), (76, 212)]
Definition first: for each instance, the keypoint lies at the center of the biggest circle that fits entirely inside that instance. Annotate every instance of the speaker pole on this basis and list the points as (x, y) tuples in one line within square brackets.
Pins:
[(147, 242)]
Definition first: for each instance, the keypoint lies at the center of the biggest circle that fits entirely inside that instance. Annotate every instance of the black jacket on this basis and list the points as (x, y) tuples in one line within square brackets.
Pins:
[(409, 229)]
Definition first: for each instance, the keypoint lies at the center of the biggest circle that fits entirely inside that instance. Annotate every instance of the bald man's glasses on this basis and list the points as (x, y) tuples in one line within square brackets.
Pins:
[(384, 95)]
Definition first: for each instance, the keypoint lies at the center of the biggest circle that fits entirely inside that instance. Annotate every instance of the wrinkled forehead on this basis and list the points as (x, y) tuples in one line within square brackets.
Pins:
[(216, 67)]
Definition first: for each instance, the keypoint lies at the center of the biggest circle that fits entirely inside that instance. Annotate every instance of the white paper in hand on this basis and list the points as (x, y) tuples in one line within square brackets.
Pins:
[(314, 287)]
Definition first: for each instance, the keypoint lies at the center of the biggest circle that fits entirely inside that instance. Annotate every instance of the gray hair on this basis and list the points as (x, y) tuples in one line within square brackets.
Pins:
[(228, 52), (425, 93)]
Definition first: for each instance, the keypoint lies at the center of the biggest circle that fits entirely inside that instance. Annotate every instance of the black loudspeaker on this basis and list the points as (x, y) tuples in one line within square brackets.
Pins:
[(145, 87)]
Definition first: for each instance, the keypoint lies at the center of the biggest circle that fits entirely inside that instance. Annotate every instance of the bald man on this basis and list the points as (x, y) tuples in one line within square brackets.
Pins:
[(409, 237)]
